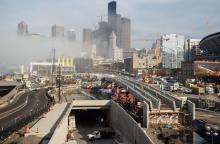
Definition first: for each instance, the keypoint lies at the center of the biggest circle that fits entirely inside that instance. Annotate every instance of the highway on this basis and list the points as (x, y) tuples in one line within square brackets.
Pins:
[(26, 106)]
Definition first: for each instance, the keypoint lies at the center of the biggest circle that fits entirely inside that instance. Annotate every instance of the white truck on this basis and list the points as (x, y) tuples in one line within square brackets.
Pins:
[(100, 134)]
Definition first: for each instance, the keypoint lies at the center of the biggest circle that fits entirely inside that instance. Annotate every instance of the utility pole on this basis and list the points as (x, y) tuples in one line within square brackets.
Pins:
[(53, 61), (59, 85)]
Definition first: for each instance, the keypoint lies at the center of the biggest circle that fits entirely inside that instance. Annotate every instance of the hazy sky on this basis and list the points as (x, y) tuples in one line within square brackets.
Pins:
[(149, 18)]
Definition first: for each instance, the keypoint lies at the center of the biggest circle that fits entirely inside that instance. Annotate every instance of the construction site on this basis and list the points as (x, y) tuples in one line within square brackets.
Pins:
[(165, 118)]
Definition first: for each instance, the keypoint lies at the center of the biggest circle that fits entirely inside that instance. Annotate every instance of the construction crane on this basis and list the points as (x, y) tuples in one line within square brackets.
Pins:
[(209, 27)]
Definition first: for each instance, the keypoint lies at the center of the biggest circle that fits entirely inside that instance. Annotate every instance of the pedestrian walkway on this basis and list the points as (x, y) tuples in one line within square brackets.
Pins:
[(47, 124)]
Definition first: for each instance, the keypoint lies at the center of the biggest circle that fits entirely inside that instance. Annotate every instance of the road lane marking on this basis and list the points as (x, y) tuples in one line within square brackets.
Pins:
[(9, 112)]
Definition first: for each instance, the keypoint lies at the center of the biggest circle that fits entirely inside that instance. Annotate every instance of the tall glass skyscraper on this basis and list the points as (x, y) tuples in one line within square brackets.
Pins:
[(172, 50), (22, 28), (112, 8)]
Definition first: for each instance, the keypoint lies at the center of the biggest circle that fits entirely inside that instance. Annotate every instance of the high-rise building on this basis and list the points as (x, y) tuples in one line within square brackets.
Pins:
[(57, 31), (71, 34), (189, 48), (121, 26), (22, 28), (125, 34), (87, 36), (112, 16), (115, 53), (172, 50), (101, 39), (112, 8), (87, 42)]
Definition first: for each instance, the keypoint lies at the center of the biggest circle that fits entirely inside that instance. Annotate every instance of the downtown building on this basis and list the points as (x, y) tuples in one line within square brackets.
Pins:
[(88, 48), (71, 35), (57, 31), (115, 53), (191, 49), (22, 29), (119, 25), (172, 51)]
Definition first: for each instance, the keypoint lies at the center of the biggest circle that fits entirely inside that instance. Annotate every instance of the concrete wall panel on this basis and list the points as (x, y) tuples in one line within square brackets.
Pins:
[(127, 126)]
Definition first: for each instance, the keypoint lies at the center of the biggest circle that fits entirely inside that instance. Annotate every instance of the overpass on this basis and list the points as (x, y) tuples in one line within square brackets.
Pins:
[(90, 104)]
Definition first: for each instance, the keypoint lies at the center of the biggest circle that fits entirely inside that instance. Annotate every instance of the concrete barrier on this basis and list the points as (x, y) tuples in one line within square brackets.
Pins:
[(167, 100), (191, 109), (178, 101), (122, 122), (61, 131)]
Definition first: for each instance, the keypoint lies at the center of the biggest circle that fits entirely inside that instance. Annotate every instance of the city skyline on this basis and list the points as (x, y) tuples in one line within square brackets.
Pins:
[(160, 16), (149, 20)]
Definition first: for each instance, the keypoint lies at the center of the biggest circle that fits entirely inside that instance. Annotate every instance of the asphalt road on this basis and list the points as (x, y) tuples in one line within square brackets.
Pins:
[(27, 104)]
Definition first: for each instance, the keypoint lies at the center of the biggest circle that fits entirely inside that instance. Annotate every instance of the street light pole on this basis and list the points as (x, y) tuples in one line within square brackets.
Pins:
[(59, 85), (53, 61)]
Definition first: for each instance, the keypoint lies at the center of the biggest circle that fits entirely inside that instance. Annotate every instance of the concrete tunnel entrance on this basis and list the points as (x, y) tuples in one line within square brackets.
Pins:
[(91, 117)]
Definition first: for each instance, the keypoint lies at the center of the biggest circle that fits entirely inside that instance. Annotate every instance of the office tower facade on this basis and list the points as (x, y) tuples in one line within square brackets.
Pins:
[(57, 31), (101, 39), (121, 26), (115, 53), (172, 51), (87, 42), (71, 35), (22, 28), (125, 34), (112, 15), (112, 8), (191, 48), (87, 36)]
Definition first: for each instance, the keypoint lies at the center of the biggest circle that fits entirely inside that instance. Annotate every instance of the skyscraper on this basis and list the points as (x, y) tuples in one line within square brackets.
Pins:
[(115, 53), (57, 31), (121, 26), (22, 28), (112, 8), (189, 48), (125, 34), (172, 50), (112, 16), (88, 42), (71, 34), (87, 36), (101, 39)]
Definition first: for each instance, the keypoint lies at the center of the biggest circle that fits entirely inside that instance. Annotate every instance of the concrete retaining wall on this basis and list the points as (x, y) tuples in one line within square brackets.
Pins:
[(121, 121), (61, 131), (191, 109), (10, 97)]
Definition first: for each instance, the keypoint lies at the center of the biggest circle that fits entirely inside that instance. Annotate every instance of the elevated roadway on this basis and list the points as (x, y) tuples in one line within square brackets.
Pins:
[(152, 96)]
